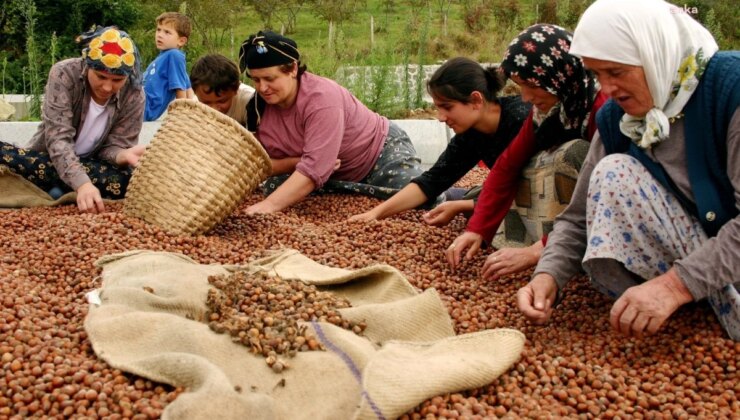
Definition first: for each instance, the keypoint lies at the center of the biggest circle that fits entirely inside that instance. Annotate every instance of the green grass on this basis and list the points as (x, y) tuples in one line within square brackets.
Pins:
[(396, 33), (406, 35)]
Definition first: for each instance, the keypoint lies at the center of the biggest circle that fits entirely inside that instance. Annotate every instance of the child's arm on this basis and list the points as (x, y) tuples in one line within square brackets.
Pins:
[(184, 94)]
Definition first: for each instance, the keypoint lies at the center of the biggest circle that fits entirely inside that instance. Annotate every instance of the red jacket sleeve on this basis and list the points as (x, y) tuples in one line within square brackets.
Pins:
[(600, 99), (500, 186)]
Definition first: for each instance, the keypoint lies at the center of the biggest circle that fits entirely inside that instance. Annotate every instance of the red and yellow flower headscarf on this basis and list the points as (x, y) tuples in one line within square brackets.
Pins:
[(111, 50)]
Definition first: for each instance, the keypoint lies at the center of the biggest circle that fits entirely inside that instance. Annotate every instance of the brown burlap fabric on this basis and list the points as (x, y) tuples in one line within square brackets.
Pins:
[(6, 110), (409, 352), (18, 192), (547, 185)]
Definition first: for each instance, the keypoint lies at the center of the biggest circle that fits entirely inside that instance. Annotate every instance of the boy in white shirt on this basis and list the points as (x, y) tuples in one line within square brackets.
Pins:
[(215, 81)]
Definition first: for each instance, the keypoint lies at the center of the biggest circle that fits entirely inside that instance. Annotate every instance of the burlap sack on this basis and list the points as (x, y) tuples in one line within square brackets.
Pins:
[(18, 192), (6, 110), (548, 182), (409, 352)]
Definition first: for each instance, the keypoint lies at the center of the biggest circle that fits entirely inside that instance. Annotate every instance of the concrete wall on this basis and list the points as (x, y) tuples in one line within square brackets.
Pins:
[(396, 79), (430, 137)]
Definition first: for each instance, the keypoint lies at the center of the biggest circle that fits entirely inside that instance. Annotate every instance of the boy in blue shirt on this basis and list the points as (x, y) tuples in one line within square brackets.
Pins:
[(166, 78)]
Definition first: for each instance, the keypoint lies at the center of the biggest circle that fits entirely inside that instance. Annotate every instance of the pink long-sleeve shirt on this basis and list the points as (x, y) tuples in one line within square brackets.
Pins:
[(325, 123)]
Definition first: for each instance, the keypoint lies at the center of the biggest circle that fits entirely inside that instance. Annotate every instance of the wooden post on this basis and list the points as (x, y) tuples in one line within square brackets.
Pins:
[(331, 32), (231, 51), (372, 31)]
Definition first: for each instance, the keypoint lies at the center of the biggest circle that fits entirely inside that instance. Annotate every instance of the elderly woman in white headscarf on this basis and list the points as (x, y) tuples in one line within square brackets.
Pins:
[(654, 218)]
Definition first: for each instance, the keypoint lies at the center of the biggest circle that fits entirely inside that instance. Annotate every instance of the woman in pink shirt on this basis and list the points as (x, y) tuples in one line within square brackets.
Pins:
[(318, 135)]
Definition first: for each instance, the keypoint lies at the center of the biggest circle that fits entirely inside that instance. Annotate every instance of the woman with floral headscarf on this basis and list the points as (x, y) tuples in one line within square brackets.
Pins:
[(565, 98), (654, 218), (91, 118)]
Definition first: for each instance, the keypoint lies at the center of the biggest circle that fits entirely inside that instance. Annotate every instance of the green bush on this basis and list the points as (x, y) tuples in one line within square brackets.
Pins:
[(406, 33)]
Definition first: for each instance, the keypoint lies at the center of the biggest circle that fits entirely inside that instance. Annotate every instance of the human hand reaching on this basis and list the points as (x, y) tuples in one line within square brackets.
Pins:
[(506, 261), (643, 309), (442, 214), (536, 299), (89, 199), (468, 241), (130, 156)]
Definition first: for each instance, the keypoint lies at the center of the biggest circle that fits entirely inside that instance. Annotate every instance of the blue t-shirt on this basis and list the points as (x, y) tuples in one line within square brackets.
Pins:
[(162, 78)]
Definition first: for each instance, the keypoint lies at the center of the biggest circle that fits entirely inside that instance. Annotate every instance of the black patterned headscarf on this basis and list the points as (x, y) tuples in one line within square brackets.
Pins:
[(540, 55), (267, 49), (264, 49)]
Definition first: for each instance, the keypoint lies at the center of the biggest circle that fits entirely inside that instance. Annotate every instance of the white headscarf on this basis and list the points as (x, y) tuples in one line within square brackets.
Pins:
[(672, 48)]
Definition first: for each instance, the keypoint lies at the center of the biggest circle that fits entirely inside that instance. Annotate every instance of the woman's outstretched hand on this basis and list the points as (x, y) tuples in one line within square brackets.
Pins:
[(130, 156), (89, 199), (536, 299), (364, 217), (643, 309), (469, 241), (507, 261)]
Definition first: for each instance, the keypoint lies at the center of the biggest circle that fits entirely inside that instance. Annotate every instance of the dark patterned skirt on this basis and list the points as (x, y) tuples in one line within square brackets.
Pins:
[(36, 167), (396, 166)]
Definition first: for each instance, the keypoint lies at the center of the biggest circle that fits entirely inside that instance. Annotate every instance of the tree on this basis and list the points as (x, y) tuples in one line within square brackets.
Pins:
[(265, 9), (29, 12), (570, 11), (506, 12), (549, 12), (213, 24), (417, 7), (388, 7), (289, 13), (80, 15), (336, 11), (476, 15), (443, 7)]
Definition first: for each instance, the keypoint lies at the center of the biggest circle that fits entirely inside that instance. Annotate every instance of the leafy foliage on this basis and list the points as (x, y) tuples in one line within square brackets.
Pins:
[(406, 32), (79, 15), (476, 15), (337, 11)]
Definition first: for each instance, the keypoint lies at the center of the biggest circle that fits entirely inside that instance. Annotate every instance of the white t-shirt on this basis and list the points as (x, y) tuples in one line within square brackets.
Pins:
[(238, 110), (92, 129)]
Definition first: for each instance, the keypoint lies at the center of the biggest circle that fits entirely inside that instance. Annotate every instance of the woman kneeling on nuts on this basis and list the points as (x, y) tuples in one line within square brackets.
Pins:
[(90, 123), (318, 135), (565, 98), (654, 219)]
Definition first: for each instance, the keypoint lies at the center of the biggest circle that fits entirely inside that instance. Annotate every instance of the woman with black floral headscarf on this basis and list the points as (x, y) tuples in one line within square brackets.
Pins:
[(90, 122), (565, 98)]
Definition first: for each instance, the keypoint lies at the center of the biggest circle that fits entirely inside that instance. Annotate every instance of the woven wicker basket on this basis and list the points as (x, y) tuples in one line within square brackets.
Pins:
[(200, 165)]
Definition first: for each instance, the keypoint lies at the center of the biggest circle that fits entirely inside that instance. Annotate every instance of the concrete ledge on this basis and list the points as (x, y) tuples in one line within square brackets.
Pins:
[(430, 137)]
